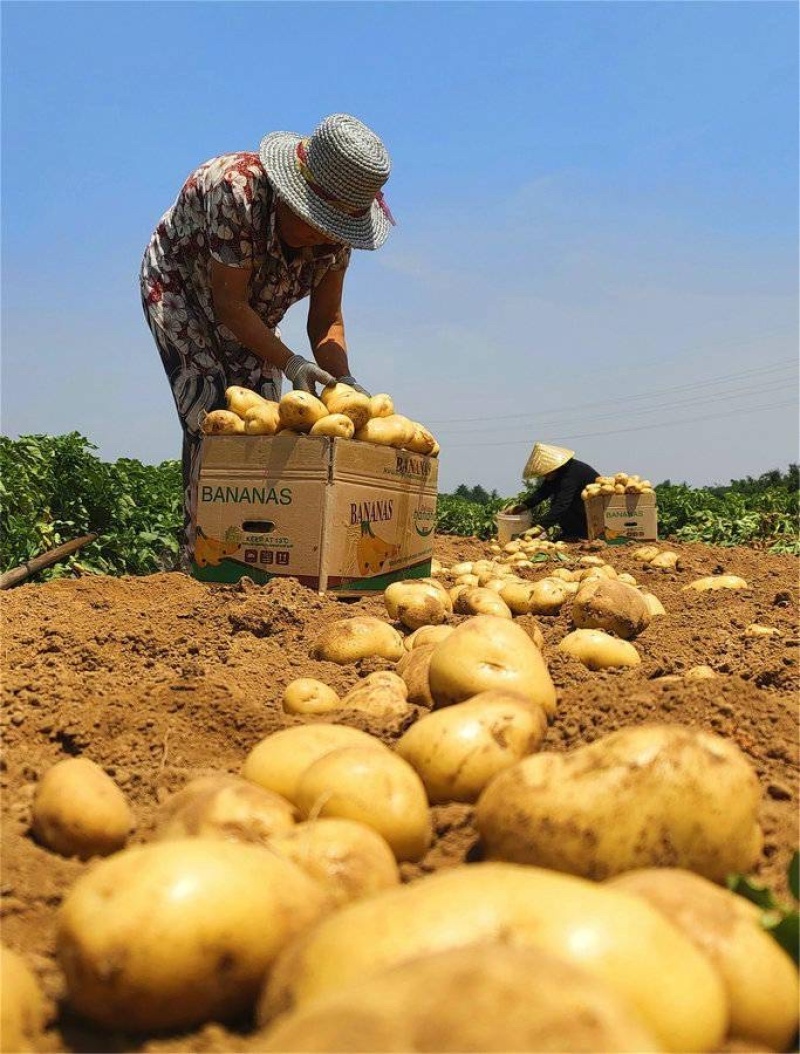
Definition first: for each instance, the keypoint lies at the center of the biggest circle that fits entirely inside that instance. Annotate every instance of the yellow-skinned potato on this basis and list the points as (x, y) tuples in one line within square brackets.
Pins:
[(307, 695), (714, 582), (262, 419), (404, 425), (760, 978), (517, 594), (382, 694), (563, 574), (337, 426), (489, 652), (416, 603), (591, 561), (627, 579), (473, 581), (381, 405), (300, 411), (617, 937), (342, 399), (422, 442), (172, 934), (222, 423), (488, 997), (611, 606), (598, 650), (700, 673), (654, 605), (464, 568), (645, 796), (278, 761), (239, 400), (383, 431), (78, 810), (666, 561), (347, 857), (375, 787), (588, 573), (757, 630), (457, 750), (426, 635), (414, 669), (24, 1011), (224, 807), (646, 553), (481, 601), (361, 637), (496, 584), (547, 596)]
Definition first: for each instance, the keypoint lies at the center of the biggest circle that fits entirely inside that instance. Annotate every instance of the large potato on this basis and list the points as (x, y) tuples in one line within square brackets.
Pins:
[(489, 652), (617, 937), (481, 601), (610, 606), (375, 787), (714, 582), (349, 858), (457, 750), (381, 694), (299, 411), (760, 978), (278, 761), (172, 934), (239, 400), (224, 807), (547, 596), (362, 637), (336, 426), (650, 796), (24, 1011), (262, 419), (417, 604), (78, 810), (598, 650), (489, 997), (344, 400)]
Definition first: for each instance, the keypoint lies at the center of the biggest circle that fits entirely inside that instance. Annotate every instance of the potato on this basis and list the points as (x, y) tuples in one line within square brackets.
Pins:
[(381, 405), (589, 573), (547, 596), (362, 637), (300, 411), (393, 430), (347, 402), (563, 574), (760, 978), (464, 568), (756, 630), (349, 858), (615, 936), (700, 673), (426, 635), (645, 553), (224, 807), (627, 579), (611, 606), (489, 652), (239, 400), (490, 997), (517, 594), (473, 581), (422, 442), (262, 419), (665, 561), (306, 695), (222, 423), (173, 934), (24, 1011), (598, 650), (382, 694), (337, 426), (414, 668), (591, 561), (416, 603), (278, 761), (647, 796), (78, 810), (480, 601), (375, 787), (714, 582), (654, 605), (456, 751)]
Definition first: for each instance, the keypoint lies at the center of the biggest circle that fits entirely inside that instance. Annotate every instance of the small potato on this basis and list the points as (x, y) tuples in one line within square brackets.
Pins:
[(756, 630), (382, 694), (646, 553), (224, 807), (626, 579), (24, 1011), (591, 561), (457, 750), (381, 405), (416, 603), (262, 419), (598, 650), (645, 796), (603, 571), (473, 581), (349, 858), (222, 423), (306, 695), (362, 637), (654, 605), (480, 601), (375, 787), (422, 441), (519, 595), (464, 568), (665, 561), (426, 635), (78, 810), (337, 426), (239, 400), (169, 935), (611, 606), (700, 673), (714, 582), (760, 978), (563, 574), (489, 652), (278, 761), (300, 411), (547, 596), (414, 668)]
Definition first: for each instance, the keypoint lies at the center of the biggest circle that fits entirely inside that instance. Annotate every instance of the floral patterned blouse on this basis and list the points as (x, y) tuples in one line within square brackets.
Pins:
[(226, 209)]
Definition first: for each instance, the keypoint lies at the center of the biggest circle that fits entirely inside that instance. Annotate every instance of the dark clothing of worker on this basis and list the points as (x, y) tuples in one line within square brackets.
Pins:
[(567, 510)]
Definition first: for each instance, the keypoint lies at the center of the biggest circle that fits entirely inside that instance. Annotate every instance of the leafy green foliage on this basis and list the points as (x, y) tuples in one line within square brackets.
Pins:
[(53, 489), (777, 918), (457, 515)]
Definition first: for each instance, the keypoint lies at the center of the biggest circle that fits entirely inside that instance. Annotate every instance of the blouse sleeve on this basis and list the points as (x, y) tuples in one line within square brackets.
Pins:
[(228, 208)]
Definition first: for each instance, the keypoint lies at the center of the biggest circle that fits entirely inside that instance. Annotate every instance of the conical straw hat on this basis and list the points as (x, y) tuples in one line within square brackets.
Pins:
[(545, 458)]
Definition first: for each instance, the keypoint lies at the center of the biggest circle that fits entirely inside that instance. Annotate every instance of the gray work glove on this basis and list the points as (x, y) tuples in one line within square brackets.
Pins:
[(304, 374), (347, 379)]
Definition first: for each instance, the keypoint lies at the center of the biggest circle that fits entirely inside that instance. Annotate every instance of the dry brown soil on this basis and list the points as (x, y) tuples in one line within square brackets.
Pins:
[(160, 679)]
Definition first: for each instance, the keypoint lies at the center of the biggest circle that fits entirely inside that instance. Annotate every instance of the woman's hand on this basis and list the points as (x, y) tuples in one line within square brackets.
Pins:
[(304, 374)]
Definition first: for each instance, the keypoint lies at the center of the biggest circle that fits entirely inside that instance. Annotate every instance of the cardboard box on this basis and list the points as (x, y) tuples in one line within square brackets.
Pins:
[(619, 518), (339, 515)]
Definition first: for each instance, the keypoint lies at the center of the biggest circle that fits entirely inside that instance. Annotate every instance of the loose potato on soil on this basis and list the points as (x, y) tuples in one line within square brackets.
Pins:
[(381, 694), (414, 668), (489, 652), (646, 553), (598, 650), (78, 810), (547, 596), (347, 857), (172, 934), (756, 630), (306, 695), (649, 796), (24, 1011), (611, 606), (760, 978), (481, 601), (457, 750), (375, 787), (617, 937), (348, 640), (488, 997), (666, 561), (713, 582), (426, 635), (417, 603), (224, 807), (654, 605)]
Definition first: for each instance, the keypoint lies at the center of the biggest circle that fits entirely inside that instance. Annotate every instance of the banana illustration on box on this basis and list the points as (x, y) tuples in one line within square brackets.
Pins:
[(209, 552), (373, 552)]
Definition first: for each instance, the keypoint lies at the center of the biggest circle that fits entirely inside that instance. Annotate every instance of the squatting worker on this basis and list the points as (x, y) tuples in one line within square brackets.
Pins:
[(249, 235), (564, 478)]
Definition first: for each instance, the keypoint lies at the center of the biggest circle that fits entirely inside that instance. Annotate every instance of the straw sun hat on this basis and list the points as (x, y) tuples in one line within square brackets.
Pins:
[(333, 179), (545, 458)]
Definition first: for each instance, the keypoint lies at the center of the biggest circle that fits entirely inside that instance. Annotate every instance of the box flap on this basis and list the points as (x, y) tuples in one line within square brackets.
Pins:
[(273, 457)]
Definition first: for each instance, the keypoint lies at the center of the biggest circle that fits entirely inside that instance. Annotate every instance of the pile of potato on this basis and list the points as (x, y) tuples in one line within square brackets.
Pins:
[(340, 412), (619, 483)]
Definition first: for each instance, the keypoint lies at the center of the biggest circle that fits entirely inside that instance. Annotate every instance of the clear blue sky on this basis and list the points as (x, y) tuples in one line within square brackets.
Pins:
[(597, 206)]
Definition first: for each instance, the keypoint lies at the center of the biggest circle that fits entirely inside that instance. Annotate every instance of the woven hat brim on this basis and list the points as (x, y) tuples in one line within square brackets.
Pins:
[(277, 153), (546, 459)]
